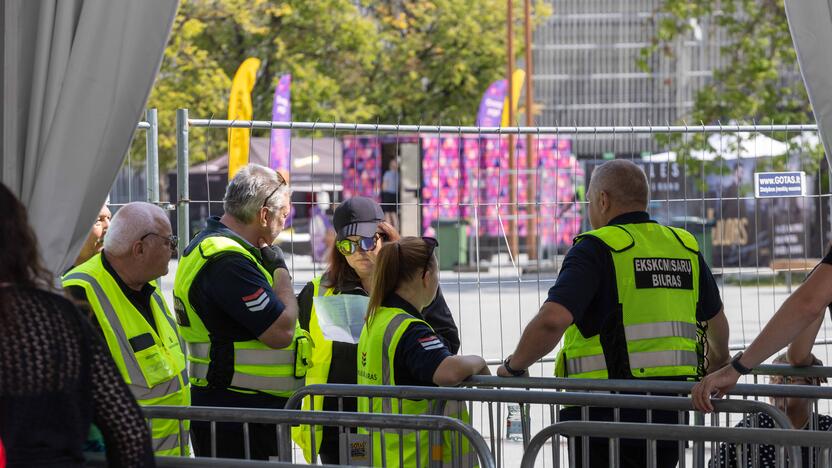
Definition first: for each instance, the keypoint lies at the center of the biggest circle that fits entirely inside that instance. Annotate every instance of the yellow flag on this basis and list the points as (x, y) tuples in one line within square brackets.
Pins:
[(240, 108), (517, 80)]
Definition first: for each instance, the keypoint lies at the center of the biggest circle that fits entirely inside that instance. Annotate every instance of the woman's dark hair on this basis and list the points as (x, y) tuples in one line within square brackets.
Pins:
[(396, 263), (20, 261), (339, 272)]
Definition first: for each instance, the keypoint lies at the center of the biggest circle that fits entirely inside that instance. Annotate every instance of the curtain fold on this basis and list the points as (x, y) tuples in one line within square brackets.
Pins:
[(810, 23), (76, 78)]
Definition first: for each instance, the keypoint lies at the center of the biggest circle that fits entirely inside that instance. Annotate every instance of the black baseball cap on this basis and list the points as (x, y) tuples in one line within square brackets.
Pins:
[(358, 216)]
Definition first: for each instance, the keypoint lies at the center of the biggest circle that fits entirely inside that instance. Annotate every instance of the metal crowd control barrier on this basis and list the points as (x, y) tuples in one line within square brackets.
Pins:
[(794, 439), (645, 386), (584, 400), (668, 387), (284, 418), (99, 459)]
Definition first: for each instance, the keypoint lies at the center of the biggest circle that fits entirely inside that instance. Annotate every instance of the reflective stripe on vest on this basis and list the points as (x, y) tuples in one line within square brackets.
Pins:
[(637, 360), (255, 357), (389, 332), (130, 362), (169, 442), (254, 382), (646, 331)]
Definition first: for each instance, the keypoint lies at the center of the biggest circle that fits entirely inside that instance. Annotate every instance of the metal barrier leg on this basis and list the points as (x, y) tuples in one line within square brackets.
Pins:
[(246, 441), (584, 440), (152, 166), (213, 439), (698, 447), (183, 193)]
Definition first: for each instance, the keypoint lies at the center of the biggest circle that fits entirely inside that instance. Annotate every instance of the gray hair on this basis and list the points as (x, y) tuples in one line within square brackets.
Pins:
[(248, 190), (130, 223), (624, 181)]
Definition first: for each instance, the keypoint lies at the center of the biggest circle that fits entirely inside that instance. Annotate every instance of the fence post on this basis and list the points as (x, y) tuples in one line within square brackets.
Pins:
[(152, 157), (183, 197)]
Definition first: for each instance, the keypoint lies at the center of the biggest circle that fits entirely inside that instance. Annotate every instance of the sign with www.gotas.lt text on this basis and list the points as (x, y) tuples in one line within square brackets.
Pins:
[(779, 184)]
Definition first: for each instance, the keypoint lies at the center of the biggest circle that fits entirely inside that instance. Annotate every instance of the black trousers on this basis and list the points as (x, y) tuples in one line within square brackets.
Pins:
[(230, 441), (632, 452)]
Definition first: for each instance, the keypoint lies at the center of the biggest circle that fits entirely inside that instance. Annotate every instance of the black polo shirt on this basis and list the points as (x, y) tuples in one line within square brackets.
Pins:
[(139, 299), (586, 284), (419, 352)]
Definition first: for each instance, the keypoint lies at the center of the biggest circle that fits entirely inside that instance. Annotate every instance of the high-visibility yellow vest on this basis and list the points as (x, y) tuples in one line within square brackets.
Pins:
[(318, 373), (278, 372), (150, 361), (657, 279), (376, 359)]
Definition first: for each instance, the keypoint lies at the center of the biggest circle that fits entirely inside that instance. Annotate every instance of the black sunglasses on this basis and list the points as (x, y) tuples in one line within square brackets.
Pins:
[(172, 240), (349, 246), (433, 244)]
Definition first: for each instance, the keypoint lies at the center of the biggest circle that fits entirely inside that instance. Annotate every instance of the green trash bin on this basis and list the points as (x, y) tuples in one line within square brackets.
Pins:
[(453, 242), (701, 230)]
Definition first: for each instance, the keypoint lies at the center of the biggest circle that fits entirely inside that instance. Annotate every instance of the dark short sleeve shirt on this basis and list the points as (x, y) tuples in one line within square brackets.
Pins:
[(419, 352), (586, 284), (230, 294), (827, 259)]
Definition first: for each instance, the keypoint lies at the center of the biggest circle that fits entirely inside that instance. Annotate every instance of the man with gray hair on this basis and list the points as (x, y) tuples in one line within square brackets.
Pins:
[(119, 286), (237, 311), (633, 300)]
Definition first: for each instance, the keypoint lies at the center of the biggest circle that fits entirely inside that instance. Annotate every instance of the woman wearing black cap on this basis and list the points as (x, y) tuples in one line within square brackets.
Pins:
[(343, 291)]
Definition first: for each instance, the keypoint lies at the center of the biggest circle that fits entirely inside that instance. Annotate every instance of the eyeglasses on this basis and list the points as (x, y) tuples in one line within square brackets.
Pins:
[(173, 241), (349, 246), (433, 244), (281, 183)]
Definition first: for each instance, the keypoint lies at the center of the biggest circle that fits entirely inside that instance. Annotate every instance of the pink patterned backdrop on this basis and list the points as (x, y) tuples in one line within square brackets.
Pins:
[(459, 172)]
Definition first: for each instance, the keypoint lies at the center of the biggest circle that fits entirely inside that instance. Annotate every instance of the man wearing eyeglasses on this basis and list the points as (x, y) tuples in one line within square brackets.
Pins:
[(238, 314), (119, 287)]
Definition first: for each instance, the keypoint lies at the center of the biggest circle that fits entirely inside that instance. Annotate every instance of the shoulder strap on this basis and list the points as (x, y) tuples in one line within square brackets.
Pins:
[(685, 238), (615, 237)]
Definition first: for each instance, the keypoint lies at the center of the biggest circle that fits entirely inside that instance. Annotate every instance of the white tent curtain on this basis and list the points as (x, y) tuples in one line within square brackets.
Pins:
[(76, 77), (810, 23)]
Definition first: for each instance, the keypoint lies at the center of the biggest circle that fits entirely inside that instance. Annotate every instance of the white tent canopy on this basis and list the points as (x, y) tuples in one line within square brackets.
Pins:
[(76, 77), (730, 146)]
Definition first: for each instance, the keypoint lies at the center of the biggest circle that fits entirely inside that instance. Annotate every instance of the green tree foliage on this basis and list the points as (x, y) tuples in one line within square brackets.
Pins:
[(388, 61), (757, 50)]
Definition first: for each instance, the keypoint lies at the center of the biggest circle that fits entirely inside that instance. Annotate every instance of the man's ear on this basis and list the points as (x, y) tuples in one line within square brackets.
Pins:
[(138, 248), (604, 201), (261, 216)]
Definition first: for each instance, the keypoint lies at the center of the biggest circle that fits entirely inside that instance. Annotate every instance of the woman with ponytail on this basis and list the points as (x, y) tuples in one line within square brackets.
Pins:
[(397, 347)]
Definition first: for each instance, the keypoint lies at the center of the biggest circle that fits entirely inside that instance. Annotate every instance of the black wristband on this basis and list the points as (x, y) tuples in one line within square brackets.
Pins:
[(514, 372), (735, 363)]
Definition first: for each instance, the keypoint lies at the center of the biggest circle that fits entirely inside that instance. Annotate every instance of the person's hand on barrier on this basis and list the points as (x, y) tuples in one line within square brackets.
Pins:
[(485, 370), (715, 385), (272, 256), (502, 371)]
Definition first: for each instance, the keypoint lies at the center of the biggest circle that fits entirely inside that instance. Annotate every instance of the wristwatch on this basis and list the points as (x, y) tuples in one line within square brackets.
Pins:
[(513, 372), (735, 363)]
